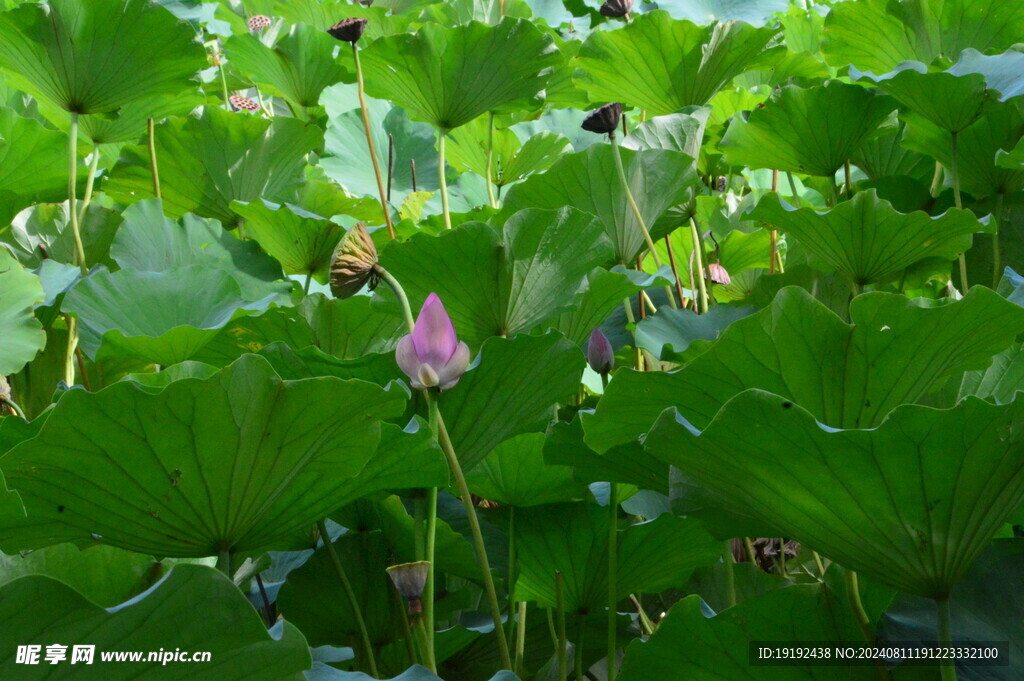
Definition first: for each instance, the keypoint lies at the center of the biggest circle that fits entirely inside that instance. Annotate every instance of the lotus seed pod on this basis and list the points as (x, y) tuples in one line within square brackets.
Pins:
[(353, 262), (410, 579), (719, 274), (239, 103), (603, 120), (348, 30), (258, 22), (600, 355), (616, 8)]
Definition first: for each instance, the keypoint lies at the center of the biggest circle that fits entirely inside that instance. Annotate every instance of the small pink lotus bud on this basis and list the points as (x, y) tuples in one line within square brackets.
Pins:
[(432, 356), (719, 274), (600, 355)]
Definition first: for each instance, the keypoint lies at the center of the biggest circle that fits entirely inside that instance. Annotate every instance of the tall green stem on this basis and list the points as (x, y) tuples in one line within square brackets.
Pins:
[(792, 189), (224, 563), (89, 183), (954, 167), (431, 536), (72, 187), (369, 142), (698, 257), (511, 606), (613, 576), (350, 595), (490, 159), (151, 126), (579, 647), (563, 666), (948, 668), (730, 573), (443, 179), (997, 258), (520, 638), (857, 606), (403, 300), (636, 213), (223, 79)]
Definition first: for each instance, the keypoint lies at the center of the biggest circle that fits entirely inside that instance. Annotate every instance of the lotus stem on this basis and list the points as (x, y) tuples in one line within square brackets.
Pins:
[(443, 179), (511, 607), (628, 306), (617, 155), (578, 656), (936, 180), (15, 408), (407, 631), (305, 286), (369, 142), (675, 271), (350, 595), (997, 258), (223, 78), (948, 666), (792, 189), (490, 157), (857, 606), (954, 167), (72, 187), (846, 178), (412, 171), (520, 638), (152, 158), (224, 562), (431, 538), (391, 163), (69, 356), (268, 610), (403, 300), (698, 256), (613, 576), (425, 641), (89, 183), (730, 573), (774, 240), (748, 545), (646, 625), (563, 667), (820, 565)]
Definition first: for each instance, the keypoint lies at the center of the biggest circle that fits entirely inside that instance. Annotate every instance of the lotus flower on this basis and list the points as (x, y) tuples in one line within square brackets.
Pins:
[(432, 356), (599, 353), (348, 30), (603, 120), (719, 274)]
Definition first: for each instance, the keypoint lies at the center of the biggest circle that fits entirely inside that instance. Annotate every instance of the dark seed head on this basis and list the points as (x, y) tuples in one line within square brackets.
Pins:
[(349, 30), (353, 262), (604, 120), (258, 22), (410, 579), (239, 103), (616, 8)]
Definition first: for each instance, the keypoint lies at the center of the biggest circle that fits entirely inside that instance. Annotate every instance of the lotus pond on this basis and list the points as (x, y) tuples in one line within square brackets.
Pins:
[(511, 340)]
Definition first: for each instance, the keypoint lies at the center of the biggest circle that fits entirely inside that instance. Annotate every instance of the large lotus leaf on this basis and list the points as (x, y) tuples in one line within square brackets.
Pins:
[(207, 162), (813, 131), (511, 391), (883, 155), (662, 65), (150, 242), (298, 66), (514, 474), (448, 77), (1000, 128), (312, 362), (21, 333), (33, 164), (302, 242), (241, 461), (847, 376), (754, 12), (502, 284), (691, 644), (866, 238), (193, 608), (588, 180), (671, 331), (512, 159), (877, 35), (42, 234), (573, 539), (680, 132), (322, 15), (162, 317), (910, 503), (1000, 382), (94, 56)]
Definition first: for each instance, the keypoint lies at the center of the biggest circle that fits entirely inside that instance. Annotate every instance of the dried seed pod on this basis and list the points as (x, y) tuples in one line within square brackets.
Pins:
[(603, 120), (258, 22), (240, 103), (349, 30), (353, 262), (410, 579), (616, 8)]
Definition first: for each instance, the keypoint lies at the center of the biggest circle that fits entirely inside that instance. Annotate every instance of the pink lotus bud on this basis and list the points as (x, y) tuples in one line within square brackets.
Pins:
[(432, 356), (719, 274), (600, 355)]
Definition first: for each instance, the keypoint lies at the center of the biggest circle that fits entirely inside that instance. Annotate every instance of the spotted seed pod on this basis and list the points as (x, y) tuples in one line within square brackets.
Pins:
[(352, 265), (348, 30), (258, 22), (603, 120), (238, 103), (616, 8)]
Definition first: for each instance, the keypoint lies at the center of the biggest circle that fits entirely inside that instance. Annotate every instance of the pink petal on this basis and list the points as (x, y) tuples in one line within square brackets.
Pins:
[(451, 372), (405, 355), (434, 334)]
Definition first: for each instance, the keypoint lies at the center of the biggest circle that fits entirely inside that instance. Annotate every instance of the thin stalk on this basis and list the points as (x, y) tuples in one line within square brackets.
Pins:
[(268, 610), (152, 158), (305, 286), (751, 554), (613, 575), (648, 303), (819, 564), (997, 258), (72, 186), (954, 166), (490, 158), (407, 633), (69, 356), (443, 179), (224, 563), (833, 192), (936, 180), (782, 557), (948, 667), (698, 254), (636, 213), (478, 539), (511, 607), (369, 142), (403, 300), (578, 657), (428, 588), (773, 241), (419, 525), (350, 595), (391, 162), (857, 606), (520, 638), (846, 179), (15, 408), (89, 182), (730, 573), (792, 189), (430, 658), (628, 306), (646, 625), (83, 375), (675, 271), (223, 78), (563, 667), (412, 169)]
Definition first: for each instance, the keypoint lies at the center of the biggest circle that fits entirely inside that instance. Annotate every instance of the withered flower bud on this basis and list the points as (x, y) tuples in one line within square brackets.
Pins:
[(348, 30), (239, 103), (352, 263), (616, 8), (719, 274), (410, 579), (603, 120), (258, 22)]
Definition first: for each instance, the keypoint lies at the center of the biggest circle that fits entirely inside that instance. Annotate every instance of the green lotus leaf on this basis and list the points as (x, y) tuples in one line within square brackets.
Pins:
[(813, 131), (297, 67), (587, 180), (22, 334), (302, 242), (513, 158), (671, 331), (185, 611), (311, 362), (205, 163), (1000, 382), (662, 65), (754, 12), (33, 164), (877, 35), (848, 376), (380, 20), (910, 503), (514, 474), (679, 132), (44, 230), (93, 56), (573, 539), (324, 672), (242, 462), (867, 239), (448, 77), (507, 283)]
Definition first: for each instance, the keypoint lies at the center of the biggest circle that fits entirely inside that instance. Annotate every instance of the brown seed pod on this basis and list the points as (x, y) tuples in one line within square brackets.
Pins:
[(348, 30), (616, 8), (258, 22), (353, 262), (240, 103), (410, 579), (603, 120)]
